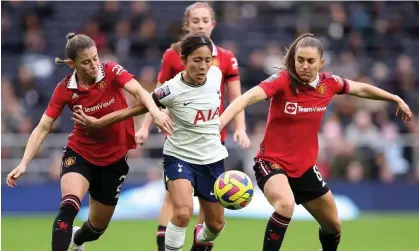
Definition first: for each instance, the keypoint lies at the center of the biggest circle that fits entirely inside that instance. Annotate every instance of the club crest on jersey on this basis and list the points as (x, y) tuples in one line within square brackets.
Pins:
[(69, 161), (275, 166), (101, 85), (321, 89), (162, 92)]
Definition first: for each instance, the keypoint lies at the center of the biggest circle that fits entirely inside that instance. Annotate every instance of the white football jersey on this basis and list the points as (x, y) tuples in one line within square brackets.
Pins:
[(195, 112)]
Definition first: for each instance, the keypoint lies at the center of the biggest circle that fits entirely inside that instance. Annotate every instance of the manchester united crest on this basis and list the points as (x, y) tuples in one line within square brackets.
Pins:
[(321, 89), (69, 161), (101, 85)]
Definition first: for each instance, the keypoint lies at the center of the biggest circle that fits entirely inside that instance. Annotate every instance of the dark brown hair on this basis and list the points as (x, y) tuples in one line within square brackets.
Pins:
[(191, 42), (75, 43), (305, 40)]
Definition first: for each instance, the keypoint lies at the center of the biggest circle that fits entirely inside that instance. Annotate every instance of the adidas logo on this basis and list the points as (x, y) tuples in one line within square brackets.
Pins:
[(75, 95)]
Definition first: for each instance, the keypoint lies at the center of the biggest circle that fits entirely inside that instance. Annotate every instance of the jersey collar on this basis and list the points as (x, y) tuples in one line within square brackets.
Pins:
[(315, 82), (73, 82)]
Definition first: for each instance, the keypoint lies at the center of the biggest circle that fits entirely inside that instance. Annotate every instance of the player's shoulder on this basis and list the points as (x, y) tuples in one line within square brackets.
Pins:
[(174, 84), (329, 77), (225, 52), (171, 52), (279, 76), (63, 87), (64, 83), (215, 70)]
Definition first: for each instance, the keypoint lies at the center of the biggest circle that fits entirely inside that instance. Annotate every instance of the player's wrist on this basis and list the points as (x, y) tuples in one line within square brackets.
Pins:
[(396, 99)]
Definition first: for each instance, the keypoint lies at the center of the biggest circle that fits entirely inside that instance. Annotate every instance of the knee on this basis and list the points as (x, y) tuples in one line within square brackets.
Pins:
[(98, 224), (284, 207), (216, 226), (183, 214), (335, 226)]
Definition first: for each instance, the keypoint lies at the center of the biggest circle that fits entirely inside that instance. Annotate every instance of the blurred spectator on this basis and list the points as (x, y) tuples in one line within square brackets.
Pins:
[(44, 10), (92, 29), (139, 11), (146, 43), (122, 40), (274, 56), (108, 16), (255, 70), (29, 93)]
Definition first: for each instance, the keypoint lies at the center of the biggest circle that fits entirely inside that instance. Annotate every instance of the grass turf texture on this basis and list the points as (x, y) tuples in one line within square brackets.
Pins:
[(371, 232)]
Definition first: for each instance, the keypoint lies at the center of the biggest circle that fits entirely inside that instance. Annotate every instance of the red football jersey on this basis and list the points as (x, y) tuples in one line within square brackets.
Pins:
[(224, 59), (103, 146), (290, 140)]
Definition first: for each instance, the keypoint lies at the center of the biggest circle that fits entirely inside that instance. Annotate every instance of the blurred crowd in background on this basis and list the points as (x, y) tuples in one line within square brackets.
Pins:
[(371, 42)]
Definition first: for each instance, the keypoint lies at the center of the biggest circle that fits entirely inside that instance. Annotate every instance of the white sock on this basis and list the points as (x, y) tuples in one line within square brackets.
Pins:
[(207, 235), (174, 238)]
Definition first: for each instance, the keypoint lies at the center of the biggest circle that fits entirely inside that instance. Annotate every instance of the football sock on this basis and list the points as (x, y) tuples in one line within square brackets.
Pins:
[(206, 235), (275, 232), (87, 233), (63, 224), (175, 237), (161, 231), (330, 242)]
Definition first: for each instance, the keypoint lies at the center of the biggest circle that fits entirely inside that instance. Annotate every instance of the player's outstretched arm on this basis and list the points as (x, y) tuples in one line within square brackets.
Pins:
[(240, 135), (160, 118), (37, 137), (148, 119), (114, 117), (252, 96), (367, 91)]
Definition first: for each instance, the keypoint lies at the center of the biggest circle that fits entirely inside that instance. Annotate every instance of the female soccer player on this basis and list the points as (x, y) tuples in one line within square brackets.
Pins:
[(193, 155), (199, 18), (285, 166), (94, 161)]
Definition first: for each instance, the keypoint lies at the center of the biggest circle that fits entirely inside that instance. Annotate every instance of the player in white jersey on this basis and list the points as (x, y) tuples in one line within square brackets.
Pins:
[(193, 154), (195, 112)]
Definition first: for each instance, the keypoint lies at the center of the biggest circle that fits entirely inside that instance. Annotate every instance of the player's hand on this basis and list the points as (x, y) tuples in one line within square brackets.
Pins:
[(241, 138), (141, 136), (159, 130), (14, 175), (163, 121), (404, 110), (86, 121)]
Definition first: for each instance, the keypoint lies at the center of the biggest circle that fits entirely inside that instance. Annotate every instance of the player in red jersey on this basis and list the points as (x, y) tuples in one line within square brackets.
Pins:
[(285, 166), (198, 18), (94, 161)]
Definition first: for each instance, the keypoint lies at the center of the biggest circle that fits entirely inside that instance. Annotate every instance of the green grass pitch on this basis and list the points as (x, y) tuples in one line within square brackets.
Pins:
[(372, 232)]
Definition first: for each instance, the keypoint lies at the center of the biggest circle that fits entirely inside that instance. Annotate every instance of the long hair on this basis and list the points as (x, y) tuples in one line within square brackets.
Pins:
[(305, 40)]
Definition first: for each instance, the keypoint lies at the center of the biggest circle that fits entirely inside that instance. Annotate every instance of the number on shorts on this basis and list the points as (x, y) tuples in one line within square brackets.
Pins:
[(118, 189), (318, 174)]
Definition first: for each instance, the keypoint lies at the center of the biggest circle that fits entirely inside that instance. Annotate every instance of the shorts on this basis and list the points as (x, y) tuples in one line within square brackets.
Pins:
[(308, 187), (105, 181), (202, 177)]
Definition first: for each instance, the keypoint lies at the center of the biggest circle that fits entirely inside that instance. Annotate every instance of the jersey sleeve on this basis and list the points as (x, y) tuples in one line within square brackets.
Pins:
[(165, 72), (273, 84), (163, 96), (339, 85), (118, 74), (232, 73), (57, 102)]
